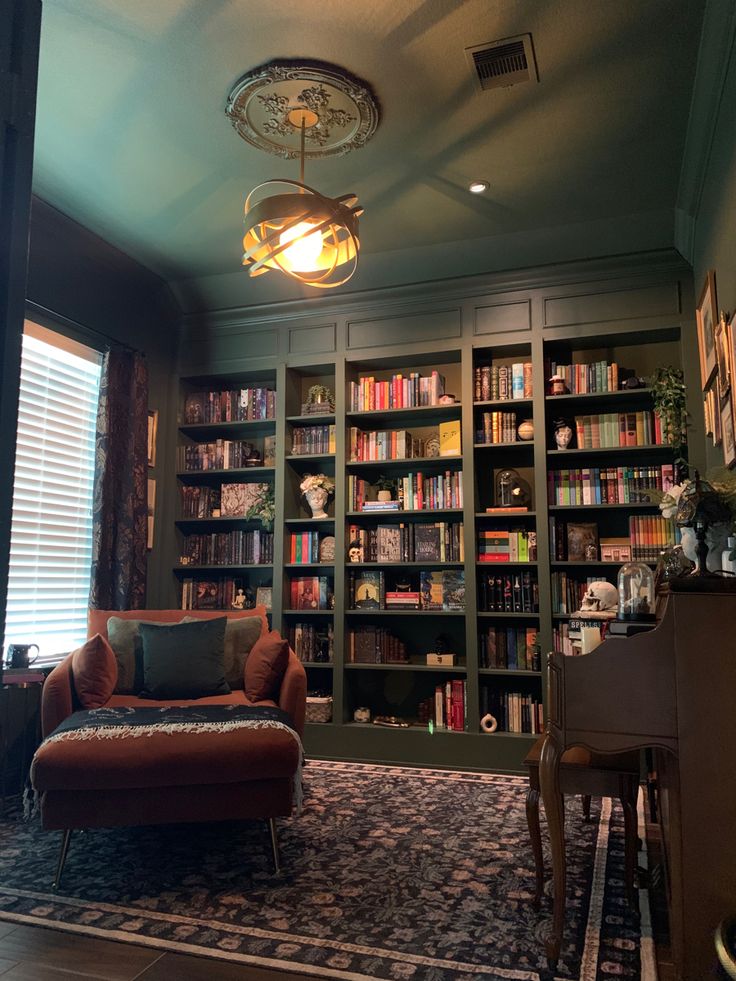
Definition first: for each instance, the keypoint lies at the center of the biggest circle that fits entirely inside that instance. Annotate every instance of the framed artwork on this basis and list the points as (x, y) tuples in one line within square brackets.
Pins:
[(731, 346), (714, 395), (707, 414), (723, 355), (706, 317), (263, 596), (151, 509), (729, 446), (152, 431)]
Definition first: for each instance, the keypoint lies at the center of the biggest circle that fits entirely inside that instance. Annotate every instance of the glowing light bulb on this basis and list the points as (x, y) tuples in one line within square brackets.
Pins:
[(303, 255)]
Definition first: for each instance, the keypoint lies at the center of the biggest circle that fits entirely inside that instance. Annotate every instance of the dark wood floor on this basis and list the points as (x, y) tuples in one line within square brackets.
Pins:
[(35, 954)]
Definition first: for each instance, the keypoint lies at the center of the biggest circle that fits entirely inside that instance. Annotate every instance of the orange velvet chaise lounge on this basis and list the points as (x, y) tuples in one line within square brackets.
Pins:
[(171, 777)]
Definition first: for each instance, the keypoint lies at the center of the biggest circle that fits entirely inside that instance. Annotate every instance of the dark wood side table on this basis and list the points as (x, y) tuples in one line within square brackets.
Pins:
[(20, 733)]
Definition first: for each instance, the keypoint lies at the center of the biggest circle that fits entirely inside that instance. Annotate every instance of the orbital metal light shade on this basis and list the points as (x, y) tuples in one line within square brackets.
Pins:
[(310, 237), (305, 110)]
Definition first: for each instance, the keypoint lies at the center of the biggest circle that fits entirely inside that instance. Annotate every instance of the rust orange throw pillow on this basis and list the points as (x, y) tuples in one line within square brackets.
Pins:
[(95, 672), (265, 666)]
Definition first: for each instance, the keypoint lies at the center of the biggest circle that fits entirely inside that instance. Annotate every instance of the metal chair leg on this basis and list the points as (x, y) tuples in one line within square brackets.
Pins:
[(65, 839), (274, 844)]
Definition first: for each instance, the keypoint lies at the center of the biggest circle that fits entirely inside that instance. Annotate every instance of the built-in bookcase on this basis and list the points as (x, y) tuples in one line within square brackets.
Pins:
[(384, 422)]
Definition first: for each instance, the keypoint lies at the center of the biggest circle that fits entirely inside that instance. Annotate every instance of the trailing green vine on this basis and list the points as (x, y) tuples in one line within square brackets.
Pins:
[(670, 404), (264, 509)]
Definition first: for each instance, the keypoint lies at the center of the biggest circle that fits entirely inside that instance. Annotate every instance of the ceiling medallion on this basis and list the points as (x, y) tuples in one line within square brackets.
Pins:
[(306, 111), (343, 111)]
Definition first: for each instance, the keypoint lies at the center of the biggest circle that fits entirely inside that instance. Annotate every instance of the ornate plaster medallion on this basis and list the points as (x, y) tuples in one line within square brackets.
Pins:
[(341, 111)]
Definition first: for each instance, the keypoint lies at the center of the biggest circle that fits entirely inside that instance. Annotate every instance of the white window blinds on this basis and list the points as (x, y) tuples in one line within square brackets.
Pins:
[(51, 534)]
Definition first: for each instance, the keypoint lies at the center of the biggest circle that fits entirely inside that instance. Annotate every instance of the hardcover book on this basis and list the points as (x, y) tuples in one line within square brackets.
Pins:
[(426, 543), (580, 537), (367, 590), (431, 589)]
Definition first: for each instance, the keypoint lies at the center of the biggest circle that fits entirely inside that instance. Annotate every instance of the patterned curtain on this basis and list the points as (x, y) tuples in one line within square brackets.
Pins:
[(118, 580)]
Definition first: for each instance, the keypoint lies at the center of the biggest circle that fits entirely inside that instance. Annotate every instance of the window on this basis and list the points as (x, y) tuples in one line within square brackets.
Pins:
[(51, 532)]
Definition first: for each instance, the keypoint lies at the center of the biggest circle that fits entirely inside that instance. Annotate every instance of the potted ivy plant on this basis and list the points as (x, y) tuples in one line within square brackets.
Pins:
[(264, 508), (385, 487), (670, 404)]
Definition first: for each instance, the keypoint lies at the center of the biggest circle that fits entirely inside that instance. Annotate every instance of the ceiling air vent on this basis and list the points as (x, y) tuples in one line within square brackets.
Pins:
[(500, 64)]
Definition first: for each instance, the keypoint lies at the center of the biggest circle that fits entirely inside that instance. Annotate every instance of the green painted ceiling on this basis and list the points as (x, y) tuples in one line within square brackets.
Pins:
[(132, 140)]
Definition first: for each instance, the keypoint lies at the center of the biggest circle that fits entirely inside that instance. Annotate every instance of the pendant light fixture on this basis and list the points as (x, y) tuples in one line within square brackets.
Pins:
[(310, 110)]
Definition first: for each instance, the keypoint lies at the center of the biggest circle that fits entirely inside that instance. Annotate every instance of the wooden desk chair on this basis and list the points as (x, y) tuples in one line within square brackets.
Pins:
[(589, 775)]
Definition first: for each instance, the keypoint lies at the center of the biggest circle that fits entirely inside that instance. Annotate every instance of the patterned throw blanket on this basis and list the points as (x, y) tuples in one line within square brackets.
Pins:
[(128, 722)]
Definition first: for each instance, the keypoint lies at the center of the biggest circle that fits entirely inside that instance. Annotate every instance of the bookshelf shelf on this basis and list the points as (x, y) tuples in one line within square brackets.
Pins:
[(518, 444), (310, 458), (315, 420), (409, 565), (512, 565), (204, 431), (309, 565), (606, 450), (403, 515), (590, 565), (430, 668), (405, 613), (221, 476), (227, 567), (409, 462), (502, 403), (603, 507), (316, 522), (504, 516), (513, 672), (319, 665), (622, 395), (490, 615), (308, 613), (201, 523), (417, 415)]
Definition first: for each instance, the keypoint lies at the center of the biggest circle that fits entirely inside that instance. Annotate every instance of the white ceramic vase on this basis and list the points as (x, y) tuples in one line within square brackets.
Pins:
[(316, 499)]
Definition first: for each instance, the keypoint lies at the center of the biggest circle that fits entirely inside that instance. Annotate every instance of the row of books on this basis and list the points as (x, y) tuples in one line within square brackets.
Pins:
[(510, 648), (210, 594), (507, 545), (566, 636), (222, 454), (199, 502), (399, 444), (441, 541), (609, 429), (573, 541), (437, 590), (608, 485), (503, 381), (579, 379), (449, 709), (568, 592), (497, 427), (375, 645), (312, 642), (513, 710), (304, 547), (312, 439), (506, 592), (229, 548), (311, 593), (234, 405), (398, 392), (650, 534), (415, 491), (227, 501)]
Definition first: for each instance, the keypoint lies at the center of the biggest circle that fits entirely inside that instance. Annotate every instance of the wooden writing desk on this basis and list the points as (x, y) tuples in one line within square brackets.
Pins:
[(672, 689)]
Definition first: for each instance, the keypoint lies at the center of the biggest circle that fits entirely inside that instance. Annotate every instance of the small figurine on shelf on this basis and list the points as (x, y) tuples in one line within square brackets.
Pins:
[(316, 488), (511, 490), (557, 385), (355, 551), (563, 433)]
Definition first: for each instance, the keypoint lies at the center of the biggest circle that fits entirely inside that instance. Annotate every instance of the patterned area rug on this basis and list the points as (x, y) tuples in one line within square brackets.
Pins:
[(390, 873)]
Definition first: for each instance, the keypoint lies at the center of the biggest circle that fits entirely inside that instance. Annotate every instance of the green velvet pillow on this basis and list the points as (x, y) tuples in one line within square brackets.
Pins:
[(124, 638), (240, 636), (184, 660)]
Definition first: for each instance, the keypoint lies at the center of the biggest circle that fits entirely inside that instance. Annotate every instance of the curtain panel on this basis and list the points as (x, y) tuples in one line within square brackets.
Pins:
[(118, 576)]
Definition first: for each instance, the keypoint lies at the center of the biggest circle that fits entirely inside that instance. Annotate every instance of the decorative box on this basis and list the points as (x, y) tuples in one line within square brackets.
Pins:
[(319, 708)]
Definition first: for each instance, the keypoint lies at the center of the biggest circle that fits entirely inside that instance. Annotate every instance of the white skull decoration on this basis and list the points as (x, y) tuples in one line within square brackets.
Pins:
[(601, 597)]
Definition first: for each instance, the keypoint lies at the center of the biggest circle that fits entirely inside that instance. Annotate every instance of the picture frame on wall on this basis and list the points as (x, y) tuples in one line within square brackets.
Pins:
[(715, 401), (151, 511), (152, 433), (723, 356), (706, 317), (729, 446), (708, 412)]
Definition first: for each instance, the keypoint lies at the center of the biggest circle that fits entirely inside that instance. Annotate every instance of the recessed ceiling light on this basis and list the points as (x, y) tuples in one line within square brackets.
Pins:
[(478, 187)]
